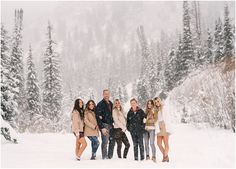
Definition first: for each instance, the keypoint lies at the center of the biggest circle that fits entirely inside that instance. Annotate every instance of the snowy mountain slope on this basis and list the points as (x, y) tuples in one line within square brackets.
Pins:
[(205, 97), (189, 147)]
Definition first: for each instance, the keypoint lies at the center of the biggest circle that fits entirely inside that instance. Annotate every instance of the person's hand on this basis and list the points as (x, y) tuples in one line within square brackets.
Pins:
[(144, 120), (96, 128), (77, 134), (104, 131)]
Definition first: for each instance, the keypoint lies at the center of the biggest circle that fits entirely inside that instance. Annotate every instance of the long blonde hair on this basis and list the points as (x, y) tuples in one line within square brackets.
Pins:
[(161, 105)]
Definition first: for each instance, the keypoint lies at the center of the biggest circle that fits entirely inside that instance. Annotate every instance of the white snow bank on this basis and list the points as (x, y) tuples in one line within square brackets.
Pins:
[(189, 147)]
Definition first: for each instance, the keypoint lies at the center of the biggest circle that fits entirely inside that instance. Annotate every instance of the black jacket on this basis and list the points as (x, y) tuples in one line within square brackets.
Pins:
[(104, 114), (135, 121)]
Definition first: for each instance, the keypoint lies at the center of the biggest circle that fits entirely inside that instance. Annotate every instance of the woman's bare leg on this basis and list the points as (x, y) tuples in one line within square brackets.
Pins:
[(83, 145), (166, 143), (159, 143), (77, 146)]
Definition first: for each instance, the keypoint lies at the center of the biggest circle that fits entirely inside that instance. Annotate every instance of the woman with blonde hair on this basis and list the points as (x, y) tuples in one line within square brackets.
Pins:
[(162, 129), (120, 128)]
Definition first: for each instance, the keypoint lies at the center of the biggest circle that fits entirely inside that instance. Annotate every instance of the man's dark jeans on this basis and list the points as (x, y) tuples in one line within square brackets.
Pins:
[(107, 139)]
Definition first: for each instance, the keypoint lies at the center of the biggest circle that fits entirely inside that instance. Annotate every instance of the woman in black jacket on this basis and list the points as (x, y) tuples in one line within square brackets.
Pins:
[(136, 127)]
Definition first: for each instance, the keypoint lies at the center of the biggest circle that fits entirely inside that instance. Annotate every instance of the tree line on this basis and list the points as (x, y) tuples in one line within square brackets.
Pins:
[(23, 104), (195, 50)]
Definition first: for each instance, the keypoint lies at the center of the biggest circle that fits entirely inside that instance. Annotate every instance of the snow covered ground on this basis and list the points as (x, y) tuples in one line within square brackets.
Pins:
[(189, 147)]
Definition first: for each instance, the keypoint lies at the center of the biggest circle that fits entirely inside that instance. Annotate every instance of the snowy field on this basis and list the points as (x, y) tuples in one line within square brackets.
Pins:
[(189, 147)]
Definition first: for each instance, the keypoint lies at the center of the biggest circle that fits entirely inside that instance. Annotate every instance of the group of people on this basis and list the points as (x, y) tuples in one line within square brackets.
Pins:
[(110, 120)]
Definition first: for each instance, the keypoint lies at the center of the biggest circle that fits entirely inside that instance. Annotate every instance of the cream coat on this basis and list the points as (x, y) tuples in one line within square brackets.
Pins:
[(77, 122), (119, 119), (166, 119)]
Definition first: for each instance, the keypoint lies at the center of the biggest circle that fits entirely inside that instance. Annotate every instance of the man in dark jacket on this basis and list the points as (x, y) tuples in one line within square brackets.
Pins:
[(105, 123), (136, 127)]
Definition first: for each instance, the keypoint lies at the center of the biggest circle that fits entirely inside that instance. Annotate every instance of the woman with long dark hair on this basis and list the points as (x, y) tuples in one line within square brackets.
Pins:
[(77, 117), (91, 127)]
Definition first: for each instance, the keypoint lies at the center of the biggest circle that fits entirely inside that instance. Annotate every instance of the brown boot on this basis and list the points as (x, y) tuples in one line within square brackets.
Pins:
[(154, 159), (163, 159), (166, 159)]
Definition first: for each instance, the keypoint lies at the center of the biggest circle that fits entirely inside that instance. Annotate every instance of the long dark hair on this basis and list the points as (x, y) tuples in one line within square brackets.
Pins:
[(78, 108), (87, 105)]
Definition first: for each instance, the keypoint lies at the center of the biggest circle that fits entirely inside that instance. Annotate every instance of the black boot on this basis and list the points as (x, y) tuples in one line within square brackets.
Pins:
[(93, 157)]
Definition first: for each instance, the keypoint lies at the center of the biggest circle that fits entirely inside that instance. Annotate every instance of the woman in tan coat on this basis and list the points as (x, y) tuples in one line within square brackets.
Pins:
[(149, 134), (77, 117), (91, 127)]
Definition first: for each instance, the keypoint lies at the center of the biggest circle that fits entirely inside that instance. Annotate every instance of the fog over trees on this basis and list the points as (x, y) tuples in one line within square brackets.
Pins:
[(79, 48)]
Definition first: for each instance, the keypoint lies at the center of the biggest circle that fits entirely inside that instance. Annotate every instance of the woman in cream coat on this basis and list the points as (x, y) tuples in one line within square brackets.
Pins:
[(162, 129), (77, 117), (120, 128)]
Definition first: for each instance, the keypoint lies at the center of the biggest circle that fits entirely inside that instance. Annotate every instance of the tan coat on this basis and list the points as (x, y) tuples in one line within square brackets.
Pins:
[(77, 122), (90, 123), (151, 117)]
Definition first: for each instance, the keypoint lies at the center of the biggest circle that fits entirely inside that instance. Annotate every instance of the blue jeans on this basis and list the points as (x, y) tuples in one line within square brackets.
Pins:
[(94, 143), (150, 136), (107, 140)]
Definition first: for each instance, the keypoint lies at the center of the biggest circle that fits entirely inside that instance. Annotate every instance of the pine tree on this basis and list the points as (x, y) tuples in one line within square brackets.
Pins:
[(32, 88), (16, 62), (196, 20), (158, 69), (218, 41), (170, 71), (179, 73), (112, 87), (195, 24), (142, 93), (143, 85), (8, 105), (121, 93), (228, 35), (187, 60), (152, 70), (52, 87), (91, 94), (208, 58), (144, 50)]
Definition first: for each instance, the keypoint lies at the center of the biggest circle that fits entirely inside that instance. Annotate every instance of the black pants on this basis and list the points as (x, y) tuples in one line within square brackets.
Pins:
[(117, 135), (122, 139), (138, 142)]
